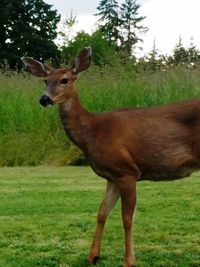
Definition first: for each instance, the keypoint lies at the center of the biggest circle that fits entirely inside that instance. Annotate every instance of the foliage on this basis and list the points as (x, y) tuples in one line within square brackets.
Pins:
[(130, 25), (48, 217), (65, 29), (115, 37), (153, 61), (102, 53), (181, 56), (109, 20), (184, 55), (27, 28), (121, 24)]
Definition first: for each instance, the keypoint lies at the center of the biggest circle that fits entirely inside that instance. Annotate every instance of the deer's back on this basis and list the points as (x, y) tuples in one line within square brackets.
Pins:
[(157, 143)]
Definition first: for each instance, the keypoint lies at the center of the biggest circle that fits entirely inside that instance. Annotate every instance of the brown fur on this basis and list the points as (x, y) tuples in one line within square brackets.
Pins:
[(127, 145), (157, 143)]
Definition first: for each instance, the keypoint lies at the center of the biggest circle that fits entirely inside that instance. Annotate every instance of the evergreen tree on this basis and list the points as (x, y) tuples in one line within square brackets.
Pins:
[(27, 28), (153, 58), (130, 25), (193, 54), (180, 54), (66, 28), (109, 20), (186, 56)]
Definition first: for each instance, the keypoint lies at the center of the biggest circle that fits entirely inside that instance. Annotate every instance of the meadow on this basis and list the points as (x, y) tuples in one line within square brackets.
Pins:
[(48, 216), (48, 213), (32, 135)]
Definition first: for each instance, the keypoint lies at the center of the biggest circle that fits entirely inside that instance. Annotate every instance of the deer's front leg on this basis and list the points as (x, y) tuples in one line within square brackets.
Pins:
[(110, 198), (127, 187)]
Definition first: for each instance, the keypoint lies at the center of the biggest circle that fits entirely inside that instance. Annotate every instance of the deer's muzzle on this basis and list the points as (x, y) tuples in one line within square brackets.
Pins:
[(45, 101)]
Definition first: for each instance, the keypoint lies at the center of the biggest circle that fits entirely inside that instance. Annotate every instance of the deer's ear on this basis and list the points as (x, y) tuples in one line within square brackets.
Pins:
[(83, 60), (35, 67)]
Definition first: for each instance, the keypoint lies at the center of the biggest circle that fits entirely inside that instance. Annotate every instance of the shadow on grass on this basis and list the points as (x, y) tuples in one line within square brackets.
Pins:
[(103, 262)]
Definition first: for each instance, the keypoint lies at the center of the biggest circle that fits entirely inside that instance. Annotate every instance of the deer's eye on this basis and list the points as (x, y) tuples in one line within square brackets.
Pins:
[(45, 81), (64, 81)]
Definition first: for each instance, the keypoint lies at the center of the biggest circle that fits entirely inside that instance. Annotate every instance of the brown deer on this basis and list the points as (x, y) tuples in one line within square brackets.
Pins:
[(123, 146)]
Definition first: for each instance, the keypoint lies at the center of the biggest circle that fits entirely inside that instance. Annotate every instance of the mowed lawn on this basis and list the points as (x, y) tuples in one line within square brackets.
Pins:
[(48, 217)]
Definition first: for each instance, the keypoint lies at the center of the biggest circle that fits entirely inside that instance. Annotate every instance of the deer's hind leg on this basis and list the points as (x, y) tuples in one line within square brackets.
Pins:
[(110, 198), (127, 188)]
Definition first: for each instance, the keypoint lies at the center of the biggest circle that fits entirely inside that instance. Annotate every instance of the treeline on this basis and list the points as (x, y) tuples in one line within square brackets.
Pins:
[(30, 28), (188, 57)]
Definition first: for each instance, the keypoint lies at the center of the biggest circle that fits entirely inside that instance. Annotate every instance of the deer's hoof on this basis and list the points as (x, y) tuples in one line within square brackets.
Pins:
[(93, 260), (96, 260)]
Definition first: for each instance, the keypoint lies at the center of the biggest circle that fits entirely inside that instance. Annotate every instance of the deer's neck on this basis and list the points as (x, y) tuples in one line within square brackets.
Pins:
[(75, 119)]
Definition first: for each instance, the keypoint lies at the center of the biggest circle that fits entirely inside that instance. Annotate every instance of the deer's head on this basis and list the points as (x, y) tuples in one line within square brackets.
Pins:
[(59, 82)]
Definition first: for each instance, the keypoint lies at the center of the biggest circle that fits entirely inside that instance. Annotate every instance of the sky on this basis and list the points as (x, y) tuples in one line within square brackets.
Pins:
[(167, 20)]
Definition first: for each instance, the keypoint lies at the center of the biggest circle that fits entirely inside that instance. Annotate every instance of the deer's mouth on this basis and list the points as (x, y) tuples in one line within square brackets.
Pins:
[(45, 101)]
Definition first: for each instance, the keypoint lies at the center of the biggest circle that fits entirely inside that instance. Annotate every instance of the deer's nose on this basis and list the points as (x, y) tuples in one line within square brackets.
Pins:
[(45, 101)]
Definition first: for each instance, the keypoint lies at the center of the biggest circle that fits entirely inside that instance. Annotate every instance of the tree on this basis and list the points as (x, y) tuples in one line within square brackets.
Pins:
[(27, 28), (180, 53), (101, 51), (185, 56), (130, 25), (65, 28), (155, 61), (193, 54), (69, 50), (109, 20), (121, 25)]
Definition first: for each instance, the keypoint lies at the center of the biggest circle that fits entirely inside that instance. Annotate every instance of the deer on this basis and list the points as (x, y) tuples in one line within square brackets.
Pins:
[(123, 146)]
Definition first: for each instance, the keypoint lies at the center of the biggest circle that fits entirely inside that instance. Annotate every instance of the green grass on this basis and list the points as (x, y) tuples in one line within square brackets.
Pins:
[(48, 216), (32, 135)]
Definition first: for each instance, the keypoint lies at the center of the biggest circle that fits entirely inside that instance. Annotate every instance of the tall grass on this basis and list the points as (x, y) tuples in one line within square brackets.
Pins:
[(31, 135)]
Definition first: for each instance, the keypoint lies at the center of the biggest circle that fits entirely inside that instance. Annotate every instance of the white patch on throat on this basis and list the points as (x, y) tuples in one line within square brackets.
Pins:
[(68, 105)]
